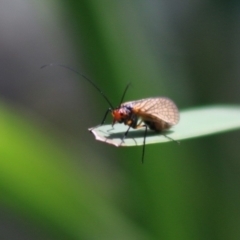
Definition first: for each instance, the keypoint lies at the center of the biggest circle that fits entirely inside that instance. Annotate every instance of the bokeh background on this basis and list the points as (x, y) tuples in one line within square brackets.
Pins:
[(56, 181)]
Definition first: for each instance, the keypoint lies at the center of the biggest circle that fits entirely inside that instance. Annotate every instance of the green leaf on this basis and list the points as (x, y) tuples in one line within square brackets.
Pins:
[(195, 122)]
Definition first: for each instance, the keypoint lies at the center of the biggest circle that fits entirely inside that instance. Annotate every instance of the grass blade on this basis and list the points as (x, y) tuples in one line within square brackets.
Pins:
[(195, 122)]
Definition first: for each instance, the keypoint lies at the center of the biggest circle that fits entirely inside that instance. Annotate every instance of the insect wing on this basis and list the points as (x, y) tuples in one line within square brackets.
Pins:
[(154, 109)]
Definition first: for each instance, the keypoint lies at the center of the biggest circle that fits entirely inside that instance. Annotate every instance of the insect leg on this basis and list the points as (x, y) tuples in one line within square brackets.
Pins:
[(104, 118), (171, 139), (124, 136), (144, 142)]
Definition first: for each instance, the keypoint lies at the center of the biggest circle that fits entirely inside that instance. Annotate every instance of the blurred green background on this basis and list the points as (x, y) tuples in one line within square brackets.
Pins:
[(56, 181)]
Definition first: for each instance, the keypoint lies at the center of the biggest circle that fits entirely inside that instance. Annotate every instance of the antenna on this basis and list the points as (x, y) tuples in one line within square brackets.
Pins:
[(129, 84), (94, 85)]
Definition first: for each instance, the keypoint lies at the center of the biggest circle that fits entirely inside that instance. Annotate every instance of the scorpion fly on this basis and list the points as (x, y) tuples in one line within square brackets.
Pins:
[(156, 113)]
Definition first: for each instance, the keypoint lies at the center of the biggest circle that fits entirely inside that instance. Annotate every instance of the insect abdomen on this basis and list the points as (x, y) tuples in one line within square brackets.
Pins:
[(158, 126)]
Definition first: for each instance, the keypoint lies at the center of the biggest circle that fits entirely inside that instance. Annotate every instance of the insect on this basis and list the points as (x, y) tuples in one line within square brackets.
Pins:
[(157, 113)]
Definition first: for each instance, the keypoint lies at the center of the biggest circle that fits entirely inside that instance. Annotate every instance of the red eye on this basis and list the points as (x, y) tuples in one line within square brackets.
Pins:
[(117, 115)]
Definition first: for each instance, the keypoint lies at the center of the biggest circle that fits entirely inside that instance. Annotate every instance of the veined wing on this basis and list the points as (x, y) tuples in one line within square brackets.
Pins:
[(154, 109)]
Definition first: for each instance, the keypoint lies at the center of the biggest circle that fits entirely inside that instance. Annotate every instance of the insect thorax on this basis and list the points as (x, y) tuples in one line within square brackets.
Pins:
[(124, 114)]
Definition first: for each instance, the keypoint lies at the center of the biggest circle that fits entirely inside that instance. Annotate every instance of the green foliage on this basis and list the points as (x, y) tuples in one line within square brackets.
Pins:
[(39, 182), (173, 49)]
